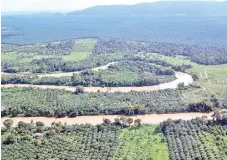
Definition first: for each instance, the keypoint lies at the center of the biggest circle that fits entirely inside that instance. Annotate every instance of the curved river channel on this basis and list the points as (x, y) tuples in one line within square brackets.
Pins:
[(180, 78), (97, 119)]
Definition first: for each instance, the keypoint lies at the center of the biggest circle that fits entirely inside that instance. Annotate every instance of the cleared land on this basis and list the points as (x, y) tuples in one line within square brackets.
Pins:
[(142, 143), (83, 48)]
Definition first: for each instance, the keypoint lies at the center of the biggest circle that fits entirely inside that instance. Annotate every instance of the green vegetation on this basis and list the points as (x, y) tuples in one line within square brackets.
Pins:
[(123, 73), (45, 57), (29, 102), (17, 101), (198, 138), (141, 143), (83, 49), (31, 141), (217, 72), (211, 78), (119, 140)]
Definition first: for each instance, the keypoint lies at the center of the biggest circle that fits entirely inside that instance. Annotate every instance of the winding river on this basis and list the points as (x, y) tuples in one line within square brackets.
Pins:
[(150, 119), (180, 78)]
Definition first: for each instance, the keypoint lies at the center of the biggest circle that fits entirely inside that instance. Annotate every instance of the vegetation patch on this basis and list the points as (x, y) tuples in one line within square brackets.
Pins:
[(142, 143)]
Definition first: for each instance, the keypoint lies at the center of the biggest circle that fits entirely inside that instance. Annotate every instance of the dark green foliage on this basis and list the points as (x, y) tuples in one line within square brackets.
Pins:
[(58, 48), (124, 73), (79, 90), (196, 139), (204, 106), (60, 103), (8, 123), (202, 54), (61, 142)]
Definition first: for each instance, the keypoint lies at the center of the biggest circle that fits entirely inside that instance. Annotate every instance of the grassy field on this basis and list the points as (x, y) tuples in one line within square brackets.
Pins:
[(217, 72), (142, 144), (83, 48), (212, 78)]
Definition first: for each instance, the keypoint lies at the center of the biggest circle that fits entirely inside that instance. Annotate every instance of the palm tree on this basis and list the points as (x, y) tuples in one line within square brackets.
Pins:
[(106, 121), (8, 123), (137, 122), (117, 121), (129, 120)]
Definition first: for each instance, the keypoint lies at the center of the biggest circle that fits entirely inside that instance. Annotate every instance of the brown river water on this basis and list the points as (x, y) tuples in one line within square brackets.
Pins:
[(181, 78), (98, 119)]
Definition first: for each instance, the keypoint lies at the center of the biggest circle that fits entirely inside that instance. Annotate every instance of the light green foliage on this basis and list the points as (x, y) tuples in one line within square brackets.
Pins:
[(142, 144), (217, 72), (82, 49)]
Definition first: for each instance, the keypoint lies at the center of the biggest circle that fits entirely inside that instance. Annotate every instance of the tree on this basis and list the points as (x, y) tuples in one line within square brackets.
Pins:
[(180, 86), (37, 142), (117, 121), (9, 139), (123, 119), (137, 122), (129, 121), (21, 124), (79, 90), (39, 124), (106, 121), (8, 123)]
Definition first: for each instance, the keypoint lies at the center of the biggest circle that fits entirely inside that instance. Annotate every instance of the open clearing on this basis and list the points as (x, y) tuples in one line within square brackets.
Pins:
[(217, 72), (83, 49)]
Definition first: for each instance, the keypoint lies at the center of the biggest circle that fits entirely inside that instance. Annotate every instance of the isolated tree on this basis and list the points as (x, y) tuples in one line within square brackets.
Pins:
[(106, 121), (216, 115), (8, 123), (129, 121), (180, 86), (21, 124), (79, 90), (123, 120), (137, 122), (117, 121)]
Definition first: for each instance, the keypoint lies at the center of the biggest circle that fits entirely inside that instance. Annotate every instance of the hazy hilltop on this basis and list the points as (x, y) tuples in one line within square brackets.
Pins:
[(176, 22), (189, 8)]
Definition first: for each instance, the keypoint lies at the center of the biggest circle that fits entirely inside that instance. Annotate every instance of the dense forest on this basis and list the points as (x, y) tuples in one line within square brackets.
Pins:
[(202, 54), (180, 22), (121, 139), (51, 57), (124, 73), (29, 102)]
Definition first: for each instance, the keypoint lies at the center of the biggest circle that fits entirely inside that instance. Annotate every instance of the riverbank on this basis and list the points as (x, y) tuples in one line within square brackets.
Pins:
[(98, 119), (181, 78)]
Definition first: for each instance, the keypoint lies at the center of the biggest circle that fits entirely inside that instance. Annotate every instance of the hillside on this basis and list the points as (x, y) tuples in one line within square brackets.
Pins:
[(177, 8), (159, 22)]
